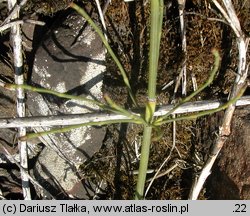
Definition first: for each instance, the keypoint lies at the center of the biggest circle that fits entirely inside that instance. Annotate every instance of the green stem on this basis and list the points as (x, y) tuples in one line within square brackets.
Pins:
[(113, 107), (143, 162), (83, 13), (52, 92), (65, 129), (156, 18), (118, 109), (155, 36), (207, 112)]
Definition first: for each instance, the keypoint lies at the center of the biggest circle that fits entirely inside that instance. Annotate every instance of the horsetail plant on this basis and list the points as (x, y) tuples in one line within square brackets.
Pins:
[(156, 18), (146, 119)]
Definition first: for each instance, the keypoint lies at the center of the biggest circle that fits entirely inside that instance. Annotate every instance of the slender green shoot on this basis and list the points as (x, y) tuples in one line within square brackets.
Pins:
[(55, 93), (58, 94), (145, 150), (207, 83), (120, 110), (66, 129), (156, 17), (203, 113), (83, 13), (186, 117)]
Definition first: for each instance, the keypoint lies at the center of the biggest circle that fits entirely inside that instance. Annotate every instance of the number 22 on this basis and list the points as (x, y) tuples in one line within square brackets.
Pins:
[(240, 208)]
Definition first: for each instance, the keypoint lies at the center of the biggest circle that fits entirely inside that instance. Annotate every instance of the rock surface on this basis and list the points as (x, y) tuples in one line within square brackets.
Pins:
[(70, 59), (60, 178), (230, 178)]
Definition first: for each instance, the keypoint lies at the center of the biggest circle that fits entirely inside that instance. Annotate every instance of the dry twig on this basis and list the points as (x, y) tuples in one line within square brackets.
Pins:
[(182, 4), (74, 119), (101, 14), (14, 10), (16, 40), (20, 22), (225, 129)]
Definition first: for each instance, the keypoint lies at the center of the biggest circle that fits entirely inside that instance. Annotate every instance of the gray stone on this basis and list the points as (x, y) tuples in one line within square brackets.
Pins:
[(59, 177), (70, 59)]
